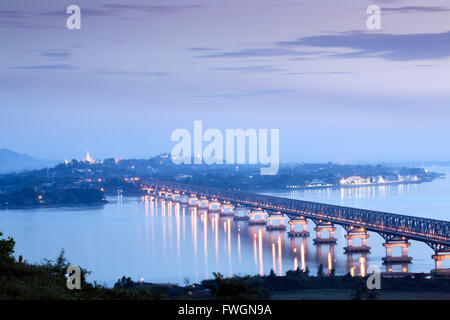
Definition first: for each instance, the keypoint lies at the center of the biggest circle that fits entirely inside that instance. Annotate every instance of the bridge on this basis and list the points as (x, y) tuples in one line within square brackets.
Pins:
[(396, 229)]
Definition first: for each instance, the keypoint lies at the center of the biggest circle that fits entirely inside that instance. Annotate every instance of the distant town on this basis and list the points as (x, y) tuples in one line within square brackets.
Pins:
[(88, 181)]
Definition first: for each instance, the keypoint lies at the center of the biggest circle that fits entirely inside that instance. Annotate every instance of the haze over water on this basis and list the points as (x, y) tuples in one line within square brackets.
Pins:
[(168, 243)]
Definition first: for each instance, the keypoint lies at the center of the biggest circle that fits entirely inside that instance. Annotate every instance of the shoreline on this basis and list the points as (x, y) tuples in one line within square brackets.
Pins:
[(55, 206), (335, 186)]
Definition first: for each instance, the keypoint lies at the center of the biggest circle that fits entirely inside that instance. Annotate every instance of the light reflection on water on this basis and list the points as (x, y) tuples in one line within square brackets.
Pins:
[(162, 241)]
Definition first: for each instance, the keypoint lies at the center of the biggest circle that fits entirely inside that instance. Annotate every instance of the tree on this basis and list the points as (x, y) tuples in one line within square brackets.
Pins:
[(236, 288), (360, 289), (320, 272), (6, 248), (59, 267), (333, 272), (124, 283), (306, 272), (272, 273)]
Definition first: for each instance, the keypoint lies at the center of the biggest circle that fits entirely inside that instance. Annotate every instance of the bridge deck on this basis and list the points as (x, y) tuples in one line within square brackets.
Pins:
[(435, 233)]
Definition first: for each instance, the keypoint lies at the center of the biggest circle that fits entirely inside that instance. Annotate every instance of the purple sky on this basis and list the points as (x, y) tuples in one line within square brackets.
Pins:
[(137, 70)]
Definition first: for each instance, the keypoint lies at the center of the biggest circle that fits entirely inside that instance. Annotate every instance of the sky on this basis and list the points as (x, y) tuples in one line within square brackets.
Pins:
[(139, 69)]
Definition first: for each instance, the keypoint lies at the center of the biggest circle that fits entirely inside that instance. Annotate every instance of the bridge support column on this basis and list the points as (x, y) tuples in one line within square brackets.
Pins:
[(193, 201), (390, 266), (214, 206), (298, 233), (278, 216), (241, 214), (176, 197), (257, 217), (321, 227), (438, 258), (227, 210), (203, 204), (183, 199), (357, 233), (147, 198), (398, 242), (168, 196)]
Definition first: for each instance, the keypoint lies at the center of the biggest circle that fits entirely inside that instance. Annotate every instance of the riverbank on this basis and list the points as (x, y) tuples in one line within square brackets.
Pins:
[(57, 206), (30, 198)]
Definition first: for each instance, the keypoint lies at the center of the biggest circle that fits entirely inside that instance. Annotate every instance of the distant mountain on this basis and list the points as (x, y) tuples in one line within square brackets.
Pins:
[(11, 161)]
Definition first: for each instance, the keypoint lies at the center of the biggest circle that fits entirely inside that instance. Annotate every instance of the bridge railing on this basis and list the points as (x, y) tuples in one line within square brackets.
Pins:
[(436, 231)]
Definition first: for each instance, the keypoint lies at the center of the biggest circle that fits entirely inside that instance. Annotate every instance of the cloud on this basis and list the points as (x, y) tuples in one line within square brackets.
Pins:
[(424, 65), (96, 12), (257, 93), (131, 73), (415, 9), (321, 73), (395, 47), (12, 14), (56, 54), (251, 69), (46, 67), (151, 8), (19, 19), (258, 52), (201, 49), (114, 9)]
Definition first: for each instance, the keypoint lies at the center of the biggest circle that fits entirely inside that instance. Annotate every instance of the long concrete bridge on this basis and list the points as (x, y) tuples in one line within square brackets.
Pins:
[(396, 229)]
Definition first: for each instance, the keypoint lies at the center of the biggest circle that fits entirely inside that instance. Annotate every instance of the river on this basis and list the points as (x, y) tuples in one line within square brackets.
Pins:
[(158, 242)]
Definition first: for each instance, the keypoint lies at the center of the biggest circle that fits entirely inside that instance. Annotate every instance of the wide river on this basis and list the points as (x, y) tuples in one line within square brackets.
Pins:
[(168, 243)]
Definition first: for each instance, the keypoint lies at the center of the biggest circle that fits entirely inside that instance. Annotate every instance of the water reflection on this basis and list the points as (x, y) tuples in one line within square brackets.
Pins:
[(242, 237)]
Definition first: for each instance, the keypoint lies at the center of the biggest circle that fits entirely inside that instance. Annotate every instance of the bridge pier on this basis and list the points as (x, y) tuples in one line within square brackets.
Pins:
[(257, 213), (227, 210), (241, 214), (396, 242), (360, 233), (278, 216), (183, 199), (298, 233), (214, 206), (192, 201), (321, 227), (203, 204), (390, 266), (168, 196), (176, 197), (147, 198), (438, 258)]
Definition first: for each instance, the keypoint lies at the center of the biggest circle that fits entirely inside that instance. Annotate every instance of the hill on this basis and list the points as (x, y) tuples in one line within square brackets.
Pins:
[(11, 161)]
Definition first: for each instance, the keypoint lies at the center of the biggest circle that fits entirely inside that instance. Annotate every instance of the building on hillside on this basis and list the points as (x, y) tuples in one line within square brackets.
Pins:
[(89, 159)]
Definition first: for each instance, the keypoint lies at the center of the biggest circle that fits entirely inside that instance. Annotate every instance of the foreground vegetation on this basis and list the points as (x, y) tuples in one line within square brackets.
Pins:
[(22, 280)]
